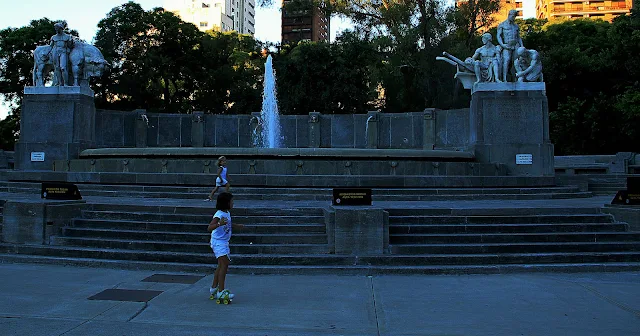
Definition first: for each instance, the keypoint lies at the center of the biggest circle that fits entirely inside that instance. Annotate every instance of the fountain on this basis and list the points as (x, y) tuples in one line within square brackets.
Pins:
[(270, 136)]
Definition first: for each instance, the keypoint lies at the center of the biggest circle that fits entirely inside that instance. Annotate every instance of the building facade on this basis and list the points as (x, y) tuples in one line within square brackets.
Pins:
[(572, 9), (219, 15), (304, 25)]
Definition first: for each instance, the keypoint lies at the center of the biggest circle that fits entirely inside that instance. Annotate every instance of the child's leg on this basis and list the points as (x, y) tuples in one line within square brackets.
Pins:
[(227, 186), (213, 192), (223, 266), (214, 284)]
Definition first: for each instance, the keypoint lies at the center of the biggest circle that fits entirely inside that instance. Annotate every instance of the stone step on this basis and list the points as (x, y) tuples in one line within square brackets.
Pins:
[(238, 238), (209, 211), (528, 219), (542, 247), (513, 238), (179, 247), (492, 211), (205, 219), (505, 228), (192, 267), (189, 227), (495, 259), (328, 259), (311, 193)]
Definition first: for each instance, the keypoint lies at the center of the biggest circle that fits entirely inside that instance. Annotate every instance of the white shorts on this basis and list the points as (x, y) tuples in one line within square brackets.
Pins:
[(220, 182), (220, 249)]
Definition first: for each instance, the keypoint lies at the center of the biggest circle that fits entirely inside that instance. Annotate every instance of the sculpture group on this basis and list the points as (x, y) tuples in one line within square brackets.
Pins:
[(493, 63), (64, 53)]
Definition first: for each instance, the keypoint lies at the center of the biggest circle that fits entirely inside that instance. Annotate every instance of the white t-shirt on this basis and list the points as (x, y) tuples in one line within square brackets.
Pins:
[(223, 232)]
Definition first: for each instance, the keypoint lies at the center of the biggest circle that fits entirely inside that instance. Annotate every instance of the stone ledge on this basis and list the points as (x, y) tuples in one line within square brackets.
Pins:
[(511, 86), (58, 90)]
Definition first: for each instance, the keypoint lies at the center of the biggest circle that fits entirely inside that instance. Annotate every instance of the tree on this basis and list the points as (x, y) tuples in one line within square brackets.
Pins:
[(161, 63), (473, 17)]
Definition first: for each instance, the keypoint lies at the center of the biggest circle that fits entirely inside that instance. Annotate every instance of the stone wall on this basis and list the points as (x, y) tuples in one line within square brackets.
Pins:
[(448, 129)]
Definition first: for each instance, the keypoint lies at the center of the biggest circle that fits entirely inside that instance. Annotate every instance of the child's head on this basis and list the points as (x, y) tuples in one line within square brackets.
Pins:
[(225, 201), (222, 160)]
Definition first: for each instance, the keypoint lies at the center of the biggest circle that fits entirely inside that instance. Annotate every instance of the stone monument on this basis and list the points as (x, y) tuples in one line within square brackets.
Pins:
[(509, 115), (57, 122)]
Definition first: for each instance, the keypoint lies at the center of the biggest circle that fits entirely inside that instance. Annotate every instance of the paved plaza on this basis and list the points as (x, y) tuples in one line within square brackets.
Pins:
[(53, 300)]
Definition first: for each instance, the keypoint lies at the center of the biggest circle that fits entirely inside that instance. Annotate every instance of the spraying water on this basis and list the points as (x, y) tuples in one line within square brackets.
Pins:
[(269, 115)]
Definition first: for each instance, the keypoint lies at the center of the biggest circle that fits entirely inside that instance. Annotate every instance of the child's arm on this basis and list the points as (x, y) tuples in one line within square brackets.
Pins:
[(215, 223), (237, 226)]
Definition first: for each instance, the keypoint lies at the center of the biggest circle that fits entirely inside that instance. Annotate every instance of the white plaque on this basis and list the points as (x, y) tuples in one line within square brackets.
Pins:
[(524, 159), (37, 156)]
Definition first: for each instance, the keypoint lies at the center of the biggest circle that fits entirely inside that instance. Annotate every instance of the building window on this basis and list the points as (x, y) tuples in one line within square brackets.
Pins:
[(204, 24), (205, 5)]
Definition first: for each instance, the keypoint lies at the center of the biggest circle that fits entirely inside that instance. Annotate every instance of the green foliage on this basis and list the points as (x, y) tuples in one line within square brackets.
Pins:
[(160, 63), (591, 70), (331, 78)]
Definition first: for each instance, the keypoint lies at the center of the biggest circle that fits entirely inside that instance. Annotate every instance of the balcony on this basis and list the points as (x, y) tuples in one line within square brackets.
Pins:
[(591, 9)]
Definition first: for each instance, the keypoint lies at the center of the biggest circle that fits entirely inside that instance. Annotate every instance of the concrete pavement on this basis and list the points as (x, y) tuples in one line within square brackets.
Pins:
[(52, 300)]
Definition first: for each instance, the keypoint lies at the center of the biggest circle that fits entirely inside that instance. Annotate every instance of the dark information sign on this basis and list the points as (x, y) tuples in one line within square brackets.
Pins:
[(351, 196), (60, 191), (631, 196)]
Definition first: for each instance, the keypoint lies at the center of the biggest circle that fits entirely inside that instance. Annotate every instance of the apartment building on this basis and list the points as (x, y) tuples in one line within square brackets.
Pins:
[(572, 9), (304, 25), (221, 15)]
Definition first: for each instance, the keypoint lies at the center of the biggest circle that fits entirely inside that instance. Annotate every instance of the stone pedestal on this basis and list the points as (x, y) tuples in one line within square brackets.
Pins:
[(360, 230), (429, 127), (509, 124), (372, 129), (56, 121), (197, 129), (142, 124)]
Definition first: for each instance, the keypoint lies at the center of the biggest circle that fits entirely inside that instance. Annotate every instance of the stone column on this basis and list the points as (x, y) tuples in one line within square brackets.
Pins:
[(361, 230), (142, 123), (509, 124), (429, 127), (372, 129), (56, 123), (197, 129), (314, 129), (255, 129)]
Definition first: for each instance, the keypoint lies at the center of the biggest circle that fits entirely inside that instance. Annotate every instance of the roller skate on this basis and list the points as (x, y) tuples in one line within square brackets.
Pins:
[(224, 297), (214, 293)]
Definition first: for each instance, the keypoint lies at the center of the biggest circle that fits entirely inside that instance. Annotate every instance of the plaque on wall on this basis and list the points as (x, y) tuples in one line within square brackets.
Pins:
[(60, 191), (524, 159), (351, 196)]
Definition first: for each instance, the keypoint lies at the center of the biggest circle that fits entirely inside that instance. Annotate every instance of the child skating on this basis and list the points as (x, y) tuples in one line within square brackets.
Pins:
[(220, 228), (221, 180)]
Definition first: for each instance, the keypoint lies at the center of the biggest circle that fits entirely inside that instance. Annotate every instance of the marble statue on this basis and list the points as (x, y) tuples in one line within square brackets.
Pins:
[(64, 51), (487, 61), (508, 36), (61, 45), (528, 65), (483, 66)]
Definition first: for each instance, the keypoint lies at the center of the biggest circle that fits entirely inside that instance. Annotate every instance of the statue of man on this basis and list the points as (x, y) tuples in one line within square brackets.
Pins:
[(487, 61), (509, 39), (61, 45), (532, 73)]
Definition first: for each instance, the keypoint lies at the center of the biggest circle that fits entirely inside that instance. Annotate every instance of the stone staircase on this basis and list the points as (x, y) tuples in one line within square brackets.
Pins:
[(295, 240), (607, 184), (312, 194), (548, 236)]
